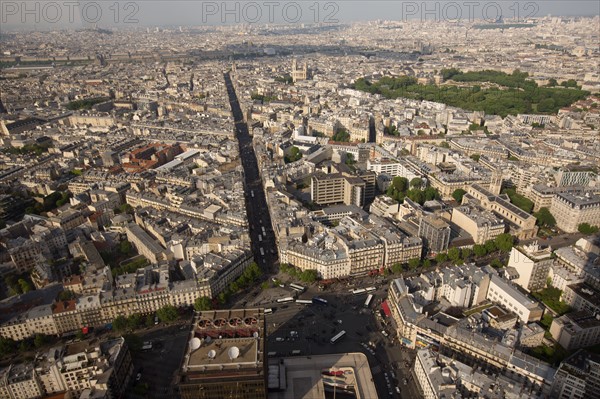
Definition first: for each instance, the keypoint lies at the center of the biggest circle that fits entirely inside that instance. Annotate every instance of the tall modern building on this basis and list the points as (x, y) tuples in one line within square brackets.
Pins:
[(340, 188), (225, 357), (435, 233), (533, 265)]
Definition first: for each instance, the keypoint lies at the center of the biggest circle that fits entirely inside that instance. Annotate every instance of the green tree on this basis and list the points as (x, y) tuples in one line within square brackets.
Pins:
[(586, 228), (416, 182), (309, 276), (203, 303), (504, 242), (397, 268), (475, 157), (426, 264), (120, 324), (223, 297), (149, 320), (479, 250), (458, 195), (134, 342), (517, 199), (441, 257), (350, 159), (25, 285), (454, 255), (465, 253), (544, 217), (431, 193), (490, 246), (400, 183), (413, 264), (496, 263), (125, 247), (167, 314), (294, 155), (7, 346), (134, 321), (39, 340)]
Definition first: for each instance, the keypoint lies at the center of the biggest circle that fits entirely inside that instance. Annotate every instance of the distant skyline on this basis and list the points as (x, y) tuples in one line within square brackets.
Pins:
[(62, 14)]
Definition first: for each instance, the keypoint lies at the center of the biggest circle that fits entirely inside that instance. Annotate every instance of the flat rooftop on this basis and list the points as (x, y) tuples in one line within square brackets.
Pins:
[(307, 376), (224, 353)]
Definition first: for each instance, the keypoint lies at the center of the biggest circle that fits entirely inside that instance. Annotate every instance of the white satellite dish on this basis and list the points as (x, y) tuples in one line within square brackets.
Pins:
[(255, 334), (212, 354), (233, 352), (195, 343), (207, 340)]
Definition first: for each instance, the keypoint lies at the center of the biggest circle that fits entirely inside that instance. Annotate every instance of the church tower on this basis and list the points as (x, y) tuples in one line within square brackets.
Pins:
[(496, 183)]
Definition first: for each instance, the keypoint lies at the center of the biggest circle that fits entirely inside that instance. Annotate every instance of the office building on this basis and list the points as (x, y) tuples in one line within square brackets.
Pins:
[(226, 356), (521, 224), (321, 376), (503, 293)]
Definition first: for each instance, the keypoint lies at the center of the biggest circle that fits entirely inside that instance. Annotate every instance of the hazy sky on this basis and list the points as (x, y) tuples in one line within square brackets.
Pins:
[(46, 14)]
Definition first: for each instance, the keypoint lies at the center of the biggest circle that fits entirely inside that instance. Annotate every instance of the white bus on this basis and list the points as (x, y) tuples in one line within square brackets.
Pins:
[(319, 301), (358, 291), (369, 300), (268, 311), (304, 301), (297, 287), (286, 299), (370, 289), (337, 337), (264, 231)]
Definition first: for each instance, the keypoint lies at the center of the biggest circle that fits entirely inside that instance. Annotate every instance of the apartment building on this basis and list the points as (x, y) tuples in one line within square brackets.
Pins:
[(533, 265), (146, 245), (20, 381), (582, 296), (571, 210), (79, 369), (577, 377), (542, 195), (482, 225), (576, 330), (405, 312), (435, 233), (439, 376)]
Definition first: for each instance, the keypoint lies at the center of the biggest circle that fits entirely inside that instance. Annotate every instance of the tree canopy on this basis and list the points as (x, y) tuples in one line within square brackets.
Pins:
[(545, 218), (203, 303), (458, 195), (516, 94)]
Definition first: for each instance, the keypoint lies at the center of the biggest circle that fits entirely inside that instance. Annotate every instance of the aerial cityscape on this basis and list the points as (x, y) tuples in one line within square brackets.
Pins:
[(279, 200)]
